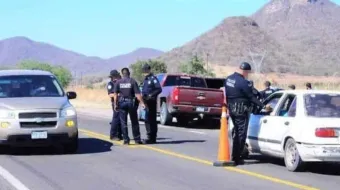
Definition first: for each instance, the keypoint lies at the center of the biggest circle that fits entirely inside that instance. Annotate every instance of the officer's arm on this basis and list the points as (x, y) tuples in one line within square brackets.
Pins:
[(247, 89), (110, 90), (137, 92), (116, 90), (158, 88)]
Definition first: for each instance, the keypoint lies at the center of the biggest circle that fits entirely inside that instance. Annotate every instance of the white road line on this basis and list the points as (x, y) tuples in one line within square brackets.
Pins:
[(12, 180)]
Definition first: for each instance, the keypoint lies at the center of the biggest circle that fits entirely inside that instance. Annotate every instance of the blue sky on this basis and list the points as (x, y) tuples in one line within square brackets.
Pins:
[(107, 28)]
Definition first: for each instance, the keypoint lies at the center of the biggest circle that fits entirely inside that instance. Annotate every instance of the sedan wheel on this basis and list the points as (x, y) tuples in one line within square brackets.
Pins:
[(292, 157)]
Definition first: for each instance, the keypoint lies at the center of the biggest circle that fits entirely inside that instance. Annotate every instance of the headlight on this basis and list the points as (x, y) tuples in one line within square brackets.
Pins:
[(68, 112), (7, 114)]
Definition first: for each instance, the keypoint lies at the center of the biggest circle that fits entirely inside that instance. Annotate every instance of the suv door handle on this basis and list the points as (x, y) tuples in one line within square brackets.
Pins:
[(286, 123)]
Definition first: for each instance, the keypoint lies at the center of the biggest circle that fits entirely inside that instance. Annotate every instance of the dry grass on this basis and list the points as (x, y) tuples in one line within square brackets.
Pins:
[(283, 80), (94, 98)]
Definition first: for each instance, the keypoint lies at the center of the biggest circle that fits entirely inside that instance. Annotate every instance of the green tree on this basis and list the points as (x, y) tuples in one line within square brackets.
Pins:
[(63, 75), (156, 68), (196, 67)]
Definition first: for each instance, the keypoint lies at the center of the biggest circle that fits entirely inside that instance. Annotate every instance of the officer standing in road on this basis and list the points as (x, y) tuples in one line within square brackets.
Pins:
[(151, 89), (239, 96), (116, 130), (308, 86), (268, 90), (128, 89)]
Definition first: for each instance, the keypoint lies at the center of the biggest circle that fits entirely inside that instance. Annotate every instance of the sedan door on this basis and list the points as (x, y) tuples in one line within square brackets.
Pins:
[(257, 124), (279, 124)]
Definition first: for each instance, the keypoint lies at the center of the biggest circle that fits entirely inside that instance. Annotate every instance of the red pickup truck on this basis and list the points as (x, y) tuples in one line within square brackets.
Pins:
[(187, 97)]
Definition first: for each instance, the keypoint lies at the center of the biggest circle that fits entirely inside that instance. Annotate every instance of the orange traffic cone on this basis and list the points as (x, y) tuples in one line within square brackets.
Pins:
[(223, 150)]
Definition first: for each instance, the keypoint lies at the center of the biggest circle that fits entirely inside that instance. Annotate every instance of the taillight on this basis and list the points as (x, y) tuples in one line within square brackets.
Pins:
[(174, 96), (326, 132)]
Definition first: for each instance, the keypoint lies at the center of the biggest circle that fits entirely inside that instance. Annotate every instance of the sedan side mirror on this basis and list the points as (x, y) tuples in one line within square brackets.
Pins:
[(71, 95)]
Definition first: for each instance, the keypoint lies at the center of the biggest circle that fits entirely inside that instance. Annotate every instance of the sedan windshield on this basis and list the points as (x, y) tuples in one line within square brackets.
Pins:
[(29, 86), (322, 105)]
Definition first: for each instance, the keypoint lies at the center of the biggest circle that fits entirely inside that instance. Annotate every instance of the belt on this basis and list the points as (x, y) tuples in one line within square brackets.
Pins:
[(125, 99)]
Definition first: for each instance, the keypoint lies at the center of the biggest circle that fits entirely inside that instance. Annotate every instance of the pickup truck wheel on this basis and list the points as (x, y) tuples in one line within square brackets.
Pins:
[(292, 157), (165, 117)]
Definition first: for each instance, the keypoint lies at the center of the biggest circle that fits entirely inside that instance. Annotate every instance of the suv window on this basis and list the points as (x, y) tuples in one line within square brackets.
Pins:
[(185, 81), (30, 86)]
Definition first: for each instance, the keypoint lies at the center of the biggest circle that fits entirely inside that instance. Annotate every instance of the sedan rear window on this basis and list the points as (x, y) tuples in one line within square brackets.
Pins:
[(30, 86), (322, 105)]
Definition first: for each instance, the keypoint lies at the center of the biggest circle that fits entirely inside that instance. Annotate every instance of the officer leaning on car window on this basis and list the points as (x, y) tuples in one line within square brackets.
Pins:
[(253, 107), (128, 89), (151, 89), (239, 94), (116, 130)]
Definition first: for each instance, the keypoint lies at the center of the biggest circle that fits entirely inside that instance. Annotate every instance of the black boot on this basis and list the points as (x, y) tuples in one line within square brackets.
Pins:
[(150, 141)]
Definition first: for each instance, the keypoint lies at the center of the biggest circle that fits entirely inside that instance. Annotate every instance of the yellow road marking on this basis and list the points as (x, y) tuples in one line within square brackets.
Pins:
[(242, 171), (103, 137)]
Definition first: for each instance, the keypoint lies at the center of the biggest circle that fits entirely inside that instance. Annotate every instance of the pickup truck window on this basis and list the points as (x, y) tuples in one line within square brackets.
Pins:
[(185, 81), (160, 77)]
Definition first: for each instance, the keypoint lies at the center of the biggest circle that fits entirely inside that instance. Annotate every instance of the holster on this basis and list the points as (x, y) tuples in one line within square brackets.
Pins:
[(239, 108)]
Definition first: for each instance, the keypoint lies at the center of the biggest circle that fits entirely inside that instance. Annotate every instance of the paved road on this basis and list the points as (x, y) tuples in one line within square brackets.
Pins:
[(182, 160)]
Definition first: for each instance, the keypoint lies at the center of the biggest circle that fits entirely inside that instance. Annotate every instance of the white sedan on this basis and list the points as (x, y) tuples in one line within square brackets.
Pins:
[(303, 126)]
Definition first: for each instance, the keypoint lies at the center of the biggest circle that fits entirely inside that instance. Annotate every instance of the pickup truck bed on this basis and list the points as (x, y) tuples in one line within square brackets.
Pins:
[(187, 97)]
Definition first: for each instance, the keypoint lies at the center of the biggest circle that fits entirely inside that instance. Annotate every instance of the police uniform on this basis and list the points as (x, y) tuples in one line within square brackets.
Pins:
[(267, 92), (116, 130), (151, 89), (127, 88), (254, 108), (239, 94)]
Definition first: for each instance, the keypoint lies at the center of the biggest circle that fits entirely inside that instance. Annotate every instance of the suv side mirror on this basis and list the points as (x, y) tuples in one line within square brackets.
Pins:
[(71, 95)]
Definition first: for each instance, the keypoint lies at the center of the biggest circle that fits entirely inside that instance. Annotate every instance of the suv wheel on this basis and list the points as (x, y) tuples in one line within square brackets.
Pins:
[(71, 147)]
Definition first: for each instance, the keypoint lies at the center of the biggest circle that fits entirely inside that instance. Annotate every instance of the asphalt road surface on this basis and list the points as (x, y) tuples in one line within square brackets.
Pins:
[(182, 160)]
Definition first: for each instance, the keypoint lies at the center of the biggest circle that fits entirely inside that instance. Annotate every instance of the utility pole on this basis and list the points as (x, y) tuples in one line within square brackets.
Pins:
[(207, 61)]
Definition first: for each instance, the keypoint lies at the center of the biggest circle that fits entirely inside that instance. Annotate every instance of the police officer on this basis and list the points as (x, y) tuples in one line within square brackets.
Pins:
[(239, 96), (292, 87), (254, 108), (128, 89), (116, 130), (268, 90), (308, 86), (151, 89)]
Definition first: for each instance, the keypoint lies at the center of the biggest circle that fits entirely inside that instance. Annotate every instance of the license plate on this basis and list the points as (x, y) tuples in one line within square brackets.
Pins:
[(200, 109), (39, 135)]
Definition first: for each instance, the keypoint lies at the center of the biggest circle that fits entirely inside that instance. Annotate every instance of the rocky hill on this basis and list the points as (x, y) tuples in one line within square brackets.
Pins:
[(309, 27), (296, 36), (13, 50)]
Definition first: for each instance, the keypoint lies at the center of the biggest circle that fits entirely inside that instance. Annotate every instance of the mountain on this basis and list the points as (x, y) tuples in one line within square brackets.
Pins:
[(234, 40), (295, 36), (13, 50), (309, 27)]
